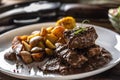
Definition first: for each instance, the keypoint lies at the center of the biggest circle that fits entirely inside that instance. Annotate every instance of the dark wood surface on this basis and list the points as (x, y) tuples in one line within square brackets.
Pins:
[(112, 74)]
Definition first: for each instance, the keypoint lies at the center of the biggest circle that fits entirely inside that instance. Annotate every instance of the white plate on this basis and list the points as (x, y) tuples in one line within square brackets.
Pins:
[(107, 39)]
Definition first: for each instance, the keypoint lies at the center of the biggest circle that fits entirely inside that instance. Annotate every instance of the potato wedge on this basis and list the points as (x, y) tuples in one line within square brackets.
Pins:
[(35, 40), (58, 31), (52, 38), (49, 44), (29, 37), (43, 31), (49, 29), (49, 51), (24, 37), (36, 49), (37, 56), (26, 57), (27, 47)]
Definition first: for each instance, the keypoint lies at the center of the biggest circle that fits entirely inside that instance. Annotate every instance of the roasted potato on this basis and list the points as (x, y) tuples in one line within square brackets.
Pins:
[(24, 37), (36, 49), (43, 31), (49, 44), (37, 56), (52, 38), (26, 47), (49, 29), (58, 31), (35, 40), (29, 37), (26, 57), (49, 51)]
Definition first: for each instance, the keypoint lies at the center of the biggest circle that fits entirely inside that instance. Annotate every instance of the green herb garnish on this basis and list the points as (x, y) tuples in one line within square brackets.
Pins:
[(81, 29), (119, 9), (118, 12)]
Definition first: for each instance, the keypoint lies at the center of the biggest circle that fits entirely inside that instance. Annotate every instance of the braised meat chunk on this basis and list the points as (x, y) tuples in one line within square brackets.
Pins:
[(94, 58), (55, 66), (10, 55), (72, 57), (98, 61), (94, 50), (17, 45), (81, 38)]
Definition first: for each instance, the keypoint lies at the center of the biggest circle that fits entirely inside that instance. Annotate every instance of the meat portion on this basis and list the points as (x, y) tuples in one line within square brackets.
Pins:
[(94, 51), (94, 58), (10, 55), (14, 50), (98, 61), (17, 45), (81, 38), (72, 57), (55, 66), (80, 54)]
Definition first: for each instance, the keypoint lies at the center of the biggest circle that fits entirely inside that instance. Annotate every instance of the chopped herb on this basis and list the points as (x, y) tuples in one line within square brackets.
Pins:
[(119, 9), (81, 29)]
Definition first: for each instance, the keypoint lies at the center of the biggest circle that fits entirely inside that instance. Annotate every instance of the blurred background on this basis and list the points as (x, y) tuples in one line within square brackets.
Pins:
[(68, 1), (16, 13)]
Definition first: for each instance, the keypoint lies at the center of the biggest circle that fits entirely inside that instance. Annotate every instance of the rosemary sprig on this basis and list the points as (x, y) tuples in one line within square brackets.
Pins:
[(81, 29)]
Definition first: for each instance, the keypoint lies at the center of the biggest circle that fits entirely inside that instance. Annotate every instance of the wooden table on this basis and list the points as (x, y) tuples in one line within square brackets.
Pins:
[(112, 74)]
